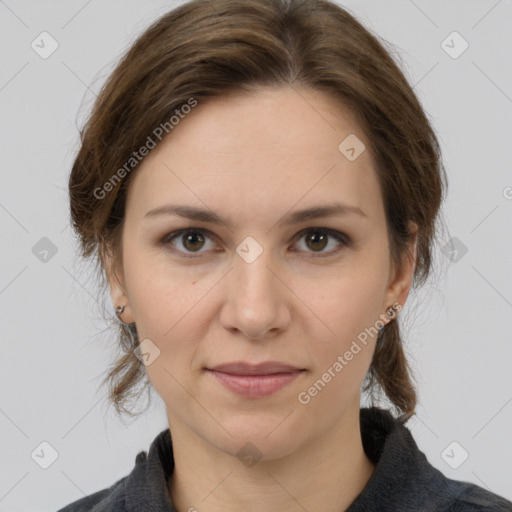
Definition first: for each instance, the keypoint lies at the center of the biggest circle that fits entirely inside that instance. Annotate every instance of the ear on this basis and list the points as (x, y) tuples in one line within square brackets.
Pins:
[(115, 278), (401, 278)]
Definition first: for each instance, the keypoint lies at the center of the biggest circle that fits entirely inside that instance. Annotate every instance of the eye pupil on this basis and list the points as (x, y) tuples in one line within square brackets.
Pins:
[(192, 237), (316, 236)]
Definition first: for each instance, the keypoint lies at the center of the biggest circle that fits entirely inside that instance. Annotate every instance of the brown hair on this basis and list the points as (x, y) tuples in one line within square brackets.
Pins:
[(207, 48)]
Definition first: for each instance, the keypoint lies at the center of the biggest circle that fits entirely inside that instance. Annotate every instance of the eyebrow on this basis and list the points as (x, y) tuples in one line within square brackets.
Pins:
[(199, 214)]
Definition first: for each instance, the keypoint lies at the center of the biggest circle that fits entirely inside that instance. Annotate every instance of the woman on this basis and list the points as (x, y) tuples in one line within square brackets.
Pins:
[(232, 138)]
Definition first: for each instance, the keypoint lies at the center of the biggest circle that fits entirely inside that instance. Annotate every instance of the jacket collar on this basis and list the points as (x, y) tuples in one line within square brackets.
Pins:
[(403, 479)]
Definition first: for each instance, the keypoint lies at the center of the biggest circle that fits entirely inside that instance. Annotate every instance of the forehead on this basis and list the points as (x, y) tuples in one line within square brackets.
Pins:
[(269, 147)]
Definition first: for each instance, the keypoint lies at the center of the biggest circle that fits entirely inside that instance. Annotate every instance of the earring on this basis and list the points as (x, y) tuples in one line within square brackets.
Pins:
[(119, 311), (391, 313)]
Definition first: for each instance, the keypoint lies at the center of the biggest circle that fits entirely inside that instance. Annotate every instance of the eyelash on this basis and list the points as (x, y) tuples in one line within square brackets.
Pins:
[(344, 240)]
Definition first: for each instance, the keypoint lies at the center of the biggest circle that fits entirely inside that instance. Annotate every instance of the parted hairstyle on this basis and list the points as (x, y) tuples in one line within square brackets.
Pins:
[(208, 48)]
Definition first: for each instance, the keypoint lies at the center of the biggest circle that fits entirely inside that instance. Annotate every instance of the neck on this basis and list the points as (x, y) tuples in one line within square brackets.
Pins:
[(326, 474)]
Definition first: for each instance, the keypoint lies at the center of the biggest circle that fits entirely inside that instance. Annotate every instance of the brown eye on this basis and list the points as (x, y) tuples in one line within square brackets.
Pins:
[(187, 241), (316, 240), (192, 241)]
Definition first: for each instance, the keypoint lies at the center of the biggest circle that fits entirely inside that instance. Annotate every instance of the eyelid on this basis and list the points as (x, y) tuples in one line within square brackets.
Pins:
[(343, 239)]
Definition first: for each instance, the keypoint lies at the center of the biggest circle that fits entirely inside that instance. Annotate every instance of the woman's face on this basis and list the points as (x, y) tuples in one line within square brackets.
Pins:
[(264, 283)]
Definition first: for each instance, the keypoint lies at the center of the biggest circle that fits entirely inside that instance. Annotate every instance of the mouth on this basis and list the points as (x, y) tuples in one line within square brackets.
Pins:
[(264, 368), (255, 381)]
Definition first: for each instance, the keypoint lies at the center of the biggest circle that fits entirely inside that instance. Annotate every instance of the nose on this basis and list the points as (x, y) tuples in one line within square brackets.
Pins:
[(256, 298)]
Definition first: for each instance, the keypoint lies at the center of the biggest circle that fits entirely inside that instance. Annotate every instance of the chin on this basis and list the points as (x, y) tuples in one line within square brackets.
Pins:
[(257, 448), (265, 438)]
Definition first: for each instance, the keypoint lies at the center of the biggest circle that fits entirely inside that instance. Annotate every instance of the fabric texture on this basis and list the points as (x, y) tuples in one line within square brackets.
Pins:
[(403, 480)]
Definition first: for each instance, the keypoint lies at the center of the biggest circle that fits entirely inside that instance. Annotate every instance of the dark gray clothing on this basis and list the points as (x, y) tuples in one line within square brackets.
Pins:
[(403, 480)]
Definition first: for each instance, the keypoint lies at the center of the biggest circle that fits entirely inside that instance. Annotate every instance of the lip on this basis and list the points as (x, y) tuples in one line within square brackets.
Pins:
[(255, 381), (264, 368)]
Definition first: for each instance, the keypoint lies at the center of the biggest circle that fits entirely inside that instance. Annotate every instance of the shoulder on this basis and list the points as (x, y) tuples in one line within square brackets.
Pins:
[(111, 499), (146, 483), (468, 497), (90, 503), (405, 480)]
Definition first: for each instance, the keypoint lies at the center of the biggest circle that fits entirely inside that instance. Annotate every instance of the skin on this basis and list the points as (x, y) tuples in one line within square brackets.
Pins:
[(253, 159)]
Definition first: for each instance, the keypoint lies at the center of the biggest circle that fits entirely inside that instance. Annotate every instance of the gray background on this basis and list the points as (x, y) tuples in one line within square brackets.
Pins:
[(54, 352)]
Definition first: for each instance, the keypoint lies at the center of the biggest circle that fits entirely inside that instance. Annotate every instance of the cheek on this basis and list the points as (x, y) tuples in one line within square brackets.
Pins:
[(172, 309), (342, 353), (161, 295), (171, 319), (347, 312)]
